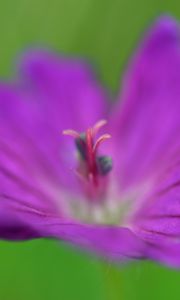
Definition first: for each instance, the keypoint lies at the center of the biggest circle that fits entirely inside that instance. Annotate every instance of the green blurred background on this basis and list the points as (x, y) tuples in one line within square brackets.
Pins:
[(105, 32)]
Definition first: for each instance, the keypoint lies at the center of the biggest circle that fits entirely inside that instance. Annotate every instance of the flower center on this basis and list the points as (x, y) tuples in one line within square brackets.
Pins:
[(92, 168)]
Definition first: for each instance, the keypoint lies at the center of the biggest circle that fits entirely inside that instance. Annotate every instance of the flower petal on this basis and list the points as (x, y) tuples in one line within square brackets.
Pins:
[(159, 214), (68, 96), (22, 220), (114, 243), (164, 252), (68, 89), (35, 158), (118, 244), (158, 220), (147, 122), (26, 171), (13, 226)]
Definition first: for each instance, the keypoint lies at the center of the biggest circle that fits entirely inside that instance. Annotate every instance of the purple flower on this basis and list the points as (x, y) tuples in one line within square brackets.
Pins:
[(120, 197)]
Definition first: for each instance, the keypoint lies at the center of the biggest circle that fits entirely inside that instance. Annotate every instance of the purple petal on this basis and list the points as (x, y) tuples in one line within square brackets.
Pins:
[(164, 252), (159, 216), (158, 220), (13, 226), (21, 221), (116, 243), (147, 122), (67, 88), (110, 242), (26, 168), (35, 159), (68, 97)]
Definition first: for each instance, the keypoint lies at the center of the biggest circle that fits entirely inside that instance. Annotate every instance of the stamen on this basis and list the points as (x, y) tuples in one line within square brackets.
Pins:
[(91, 166), (98, 126), (104, 164), (80, 142), (71, 132), (101, 139)]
